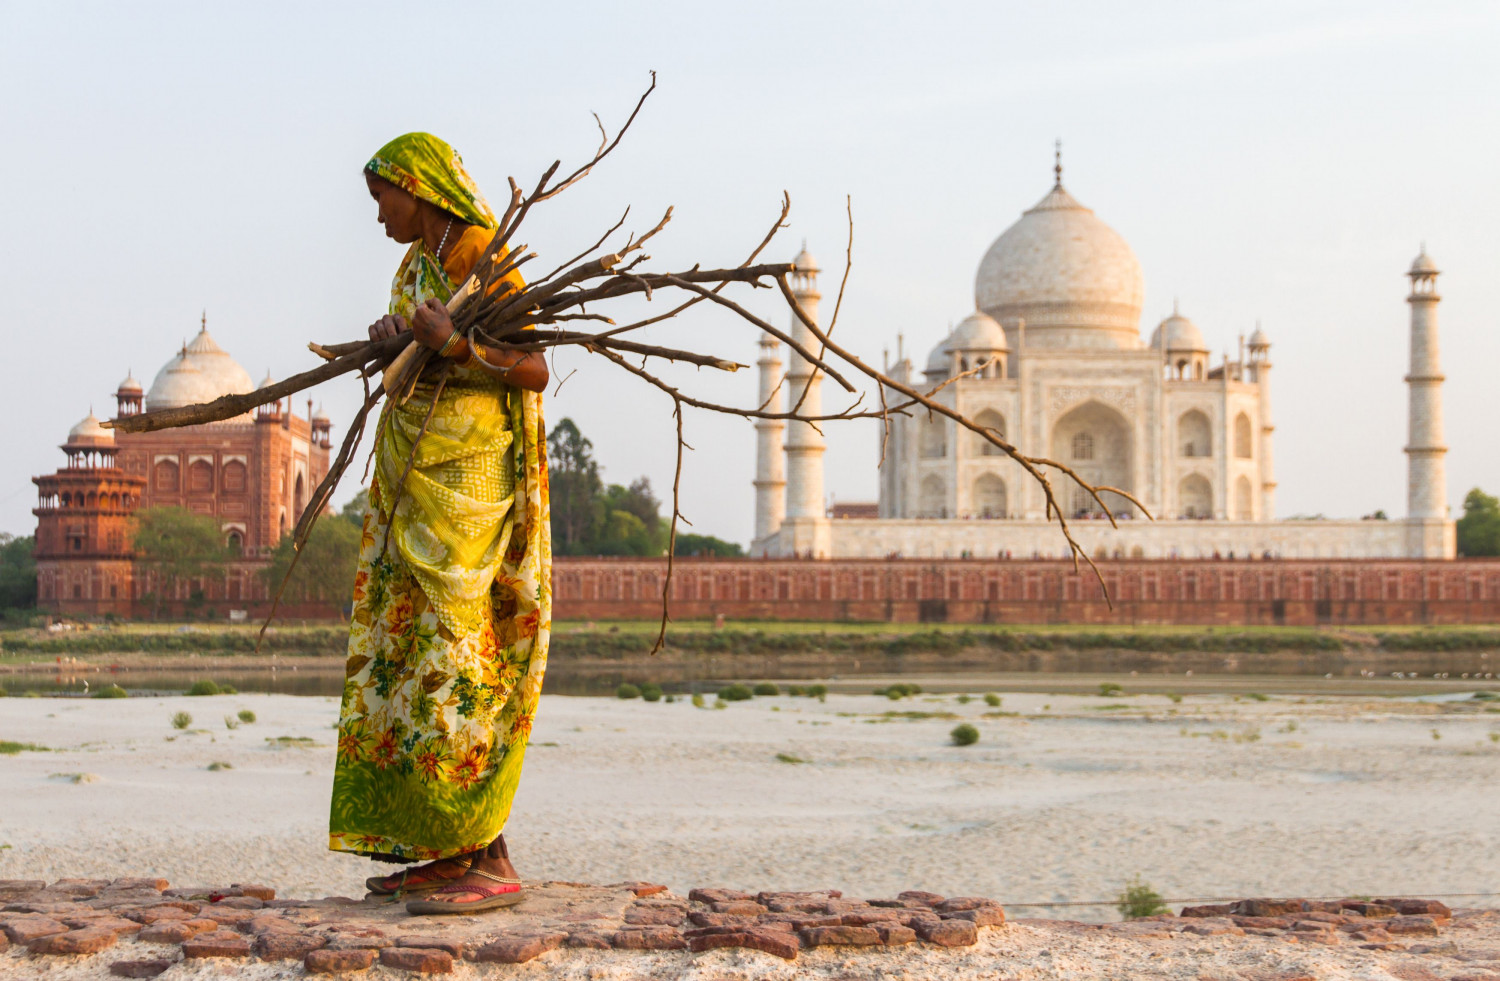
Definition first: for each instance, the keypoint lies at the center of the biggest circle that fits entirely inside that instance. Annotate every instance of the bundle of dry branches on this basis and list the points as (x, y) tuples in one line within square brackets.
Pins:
[(533, 318)]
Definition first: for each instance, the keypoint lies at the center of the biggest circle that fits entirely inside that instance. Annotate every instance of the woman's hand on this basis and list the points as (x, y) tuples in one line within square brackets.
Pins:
[(388, 326), (431, 325)]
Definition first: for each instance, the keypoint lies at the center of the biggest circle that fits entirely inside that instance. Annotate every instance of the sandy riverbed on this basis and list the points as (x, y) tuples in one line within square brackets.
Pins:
[(1066, 800)]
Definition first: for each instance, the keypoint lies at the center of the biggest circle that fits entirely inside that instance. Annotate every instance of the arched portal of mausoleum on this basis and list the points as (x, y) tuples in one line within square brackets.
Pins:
[(1095, 441)]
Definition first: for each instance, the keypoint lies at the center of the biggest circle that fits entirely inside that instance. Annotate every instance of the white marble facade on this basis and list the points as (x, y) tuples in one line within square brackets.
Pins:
[(1053, 360)]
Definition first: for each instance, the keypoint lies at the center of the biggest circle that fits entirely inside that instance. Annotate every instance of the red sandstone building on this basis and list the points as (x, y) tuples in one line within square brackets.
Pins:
[(252, 474)]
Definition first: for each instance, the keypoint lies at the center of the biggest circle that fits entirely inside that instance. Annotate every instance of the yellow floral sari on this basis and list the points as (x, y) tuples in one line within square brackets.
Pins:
[(452, 598)]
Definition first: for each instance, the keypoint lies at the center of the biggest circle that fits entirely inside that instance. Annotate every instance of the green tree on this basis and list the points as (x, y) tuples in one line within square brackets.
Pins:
[(1479, 528), (179, 546), (354, 511), (573, 476), (689, 544), (324, 572), (17, 572)]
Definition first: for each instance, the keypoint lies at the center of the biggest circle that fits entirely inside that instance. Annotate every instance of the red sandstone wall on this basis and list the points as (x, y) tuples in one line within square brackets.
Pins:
[(1292, 591)]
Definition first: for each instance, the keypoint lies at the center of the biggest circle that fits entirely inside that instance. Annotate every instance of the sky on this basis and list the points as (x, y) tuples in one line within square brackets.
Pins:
[(1271, 162)]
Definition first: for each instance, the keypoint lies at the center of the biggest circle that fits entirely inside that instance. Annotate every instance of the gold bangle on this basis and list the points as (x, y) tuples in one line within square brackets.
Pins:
[(474, 353), (450, 344)]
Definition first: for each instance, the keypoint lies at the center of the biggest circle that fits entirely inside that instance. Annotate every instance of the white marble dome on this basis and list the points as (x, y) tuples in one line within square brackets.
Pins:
[(1423, 265), (88, 432), (977, 332), (1181, 334), (1071, 277), (201, 372), (130, 386)]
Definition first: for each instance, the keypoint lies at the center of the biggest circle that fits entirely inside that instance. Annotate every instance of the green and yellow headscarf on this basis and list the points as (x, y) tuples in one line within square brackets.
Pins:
[(432, 171)]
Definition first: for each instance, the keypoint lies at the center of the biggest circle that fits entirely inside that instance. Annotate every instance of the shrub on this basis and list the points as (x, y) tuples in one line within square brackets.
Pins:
[(697, 701), (111, 691), (1486, 696), (230, 722), (670, 699), (1256, 696), (735, 693), (820, 692), (627, 690), (767, 688), (796, 691), (218, 765), (246, 716), (11, 748), (651, 691), (1138, 899), (204, 687), (181, 720), (964, 699), (1175, 697), (789, 758), (228, 690), (992, 700), (1109, 689), (964, 735)]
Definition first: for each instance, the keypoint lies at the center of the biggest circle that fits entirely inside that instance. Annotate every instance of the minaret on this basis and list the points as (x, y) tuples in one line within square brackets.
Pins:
[(770, 480), (1430, 535), (1260, 361), (806, 517)]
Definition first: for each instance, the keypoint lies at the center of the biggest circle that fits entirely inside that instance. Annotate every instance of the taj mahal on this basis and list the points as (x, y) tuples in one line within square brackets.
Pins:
[(1053, 360)]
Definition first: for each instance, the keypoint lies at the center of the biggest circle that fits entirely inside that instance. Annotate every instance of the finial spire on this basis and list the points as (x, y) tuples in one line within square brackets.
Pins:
[(1057, 163), (203, 321), (1175, 308)]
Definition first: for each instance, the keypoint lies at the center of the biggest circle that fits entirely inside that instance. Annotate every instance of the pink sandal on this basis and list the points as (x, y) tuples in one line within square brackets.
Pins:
[(507, 893)]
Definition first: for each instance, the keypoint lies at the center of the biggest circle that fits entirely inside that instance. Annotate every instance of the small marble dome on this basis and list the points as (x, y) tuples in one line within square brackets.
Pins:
[(1423, 265), (804, 262), (201, 372), (977, 332), (129, 386), (1259, 339), (938, 362), (267, 381), (320, 415), (1181, 334), (1071, 277), (89, 432)]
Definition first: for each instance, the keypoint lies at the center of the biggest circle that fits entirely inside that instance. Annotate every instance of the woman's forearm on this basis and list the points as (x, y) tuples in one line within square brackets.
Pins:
[(525, 369)]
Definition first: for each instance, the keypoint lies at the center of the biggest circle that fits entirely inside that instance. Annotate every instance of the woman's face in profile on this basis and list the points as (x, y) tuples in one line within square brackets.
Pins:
[(399, 212)]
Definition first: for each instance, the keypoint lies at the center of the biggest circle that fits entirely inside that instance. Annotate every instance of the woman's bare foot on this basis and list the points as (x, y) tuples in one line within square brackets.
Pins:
[(421, 877), (493, 860)]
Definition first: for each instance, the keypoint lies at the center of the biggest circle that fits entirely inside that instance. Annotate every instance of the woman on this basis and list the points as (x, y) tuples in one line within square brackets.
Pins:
[(453, 595)]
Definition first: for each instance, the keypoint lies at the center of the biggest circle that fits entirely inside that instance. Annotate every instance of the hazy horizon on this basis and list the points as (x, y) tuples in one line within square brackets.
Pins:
[(1277, 163)]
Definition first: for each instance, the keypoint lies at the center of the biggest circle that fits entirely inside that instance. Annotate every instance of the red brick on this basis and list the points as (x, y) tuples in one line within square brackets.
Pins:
[(926, 898), (960, 903), (87, 888), (870, 917), (1411, 926), (155, 885), (1370, 909), (104, 921), (588, 940), (643, 889), (455, 948), (1266, 907), (829, 936), (156, 914), (287, 946), (216, 945), (338, 961), (240, 902), (739, 907), (810, 922), (87, 941), (775, 942), (639, 916), (894, 934), (949, 933), (1419, 907), (19, 887), (420, 960), (1263, 922), (649, 938), (718, 895), (226, 917), (263, 893), (1218, 910), (982, 917), (22, 930), (167, 932), (141, 968), (201, 924), (519, 949)]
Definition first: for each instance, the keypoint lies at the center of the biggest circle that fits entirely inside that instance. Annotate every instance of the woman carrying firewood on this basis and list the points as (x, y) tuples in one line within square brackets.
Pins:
[(453, 595)]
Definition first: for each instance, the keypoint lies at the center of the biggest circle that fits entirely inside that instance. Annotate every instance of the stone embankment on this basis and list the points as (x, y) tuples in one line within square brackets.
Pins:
[(142, 928)]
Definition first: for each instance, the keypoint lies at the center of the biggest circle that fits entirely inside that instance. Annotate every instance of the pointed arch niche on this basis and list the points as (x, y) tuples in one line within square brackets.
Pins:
[(1095, 441)]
